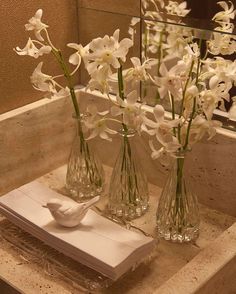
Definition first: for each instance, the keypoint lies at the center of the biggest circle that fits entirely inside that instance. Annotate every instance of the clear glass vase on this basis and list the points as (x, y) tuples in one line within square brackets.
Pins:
[(85, 174), (128, 192), (177, 213)]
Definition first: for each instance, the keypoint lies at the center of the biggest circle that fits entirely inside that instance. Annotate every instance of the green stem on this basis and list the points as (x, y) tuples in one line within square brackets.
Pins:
[(179, 205), (173, 110), (185, 88), (83, 144), (183, 100), (159, 52), (60, 59), (121, 82), (195, 100), (190, 123), (198, 62), (126, 163), (159, 56)]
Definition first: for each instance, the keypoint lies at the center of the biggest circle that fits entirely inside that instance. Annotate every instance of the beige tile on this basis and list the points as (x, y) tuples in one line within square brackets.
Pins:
[(94, 24), (130, 7), (15, 86)]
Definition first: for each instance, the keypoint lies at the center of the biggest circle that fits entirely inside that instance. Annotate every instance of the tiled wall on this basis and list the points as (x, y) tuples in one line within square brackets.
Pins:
[(98, 23), (130, 7), (61, 15)]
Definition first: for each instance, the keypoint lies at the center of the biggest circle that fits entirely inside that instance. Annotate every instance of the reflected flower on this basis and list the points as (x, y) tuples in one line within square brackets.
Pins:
[(201, 126), (227, 14), (220, 70), (176, 8), (171, 81), (139, 71)]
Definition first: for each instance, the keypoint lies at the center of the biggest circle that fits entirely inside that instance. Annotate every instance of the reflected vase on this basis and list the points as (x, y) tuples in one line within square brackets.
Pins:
[(128, 192), (85, 174), (177, 215)]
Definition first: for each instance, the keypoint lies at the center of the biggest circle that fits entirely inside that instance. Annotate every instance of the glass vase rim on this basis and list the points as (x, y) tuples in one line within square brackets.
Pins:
[(127, 133), (181, 153), (80, 116)]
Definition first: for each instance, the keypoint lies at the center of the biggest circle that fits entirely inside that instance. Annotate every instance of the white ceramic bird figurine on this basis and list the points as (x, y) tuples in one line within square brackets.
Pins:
[(69, 213)]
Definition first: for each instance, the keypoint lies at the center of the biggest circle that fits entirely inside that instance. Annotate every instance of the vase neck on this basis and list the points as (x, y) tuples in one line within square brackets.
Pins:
[(129, 133), (181, 154)]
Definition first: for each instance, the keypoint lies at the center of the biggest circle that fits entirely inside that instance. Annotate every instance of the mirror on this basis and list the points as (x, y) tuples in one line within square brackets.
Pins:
[(162, 29), (169, 26)]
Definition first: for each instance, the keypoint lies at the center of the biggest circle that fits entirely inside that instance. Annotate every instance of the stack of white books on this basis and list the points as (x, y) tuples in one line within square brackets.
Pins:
[(96, 242)]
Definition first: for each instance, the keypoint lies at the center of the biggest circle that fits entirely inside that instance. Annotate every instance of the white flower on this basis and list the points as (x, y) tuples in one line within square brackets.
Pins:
[(175, 44), (156, 153), (191, 53), (107, 51), (64, 92), (153, 40), (210, 98), (191, 93), (31, 50), (36, 25), (162, 129), (41, 81), (75, 58), (227, 14), (97, 125), (169, 148), (223, 43), (220, 70), (132, 113), (201, 126), (176, 8), (100, 81), (139, 71), (132, 29), (171, 81)]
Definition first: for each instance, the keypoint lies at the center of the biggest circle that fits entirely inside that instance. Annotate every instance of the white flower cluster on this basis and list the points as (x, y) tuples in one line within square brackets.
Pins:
[(194, 85), (104, 59), (36, 48), (223, 44)]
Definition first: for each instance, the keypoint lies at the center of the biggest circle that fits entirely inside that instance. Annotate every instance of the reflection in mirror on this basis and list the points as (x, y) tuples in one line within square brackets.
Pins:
[(94, 23), (174, 39), (165, 35)]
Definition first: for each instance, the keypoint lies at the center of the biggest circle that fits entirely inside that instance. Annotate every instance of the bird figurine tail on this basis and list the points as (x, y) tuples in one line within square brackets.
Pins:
[(91, 202)]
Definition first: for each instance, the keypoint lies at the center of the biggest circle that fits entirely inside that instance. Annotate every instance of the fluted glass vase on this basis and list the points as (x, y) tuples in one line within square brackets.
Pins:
[(178, 214), (85, 174), (128, 192)]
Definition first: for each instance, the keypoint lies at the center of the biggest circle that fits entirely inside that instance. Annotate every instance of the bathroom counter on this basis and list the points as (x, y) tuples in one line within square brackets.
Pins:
[(201, 267)]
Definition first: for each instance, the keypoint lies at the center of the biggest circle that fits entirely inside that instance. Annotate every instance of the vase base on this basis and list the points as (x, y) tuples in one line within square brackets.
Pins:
[(127, 212), (187, 236), (80, 195)]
